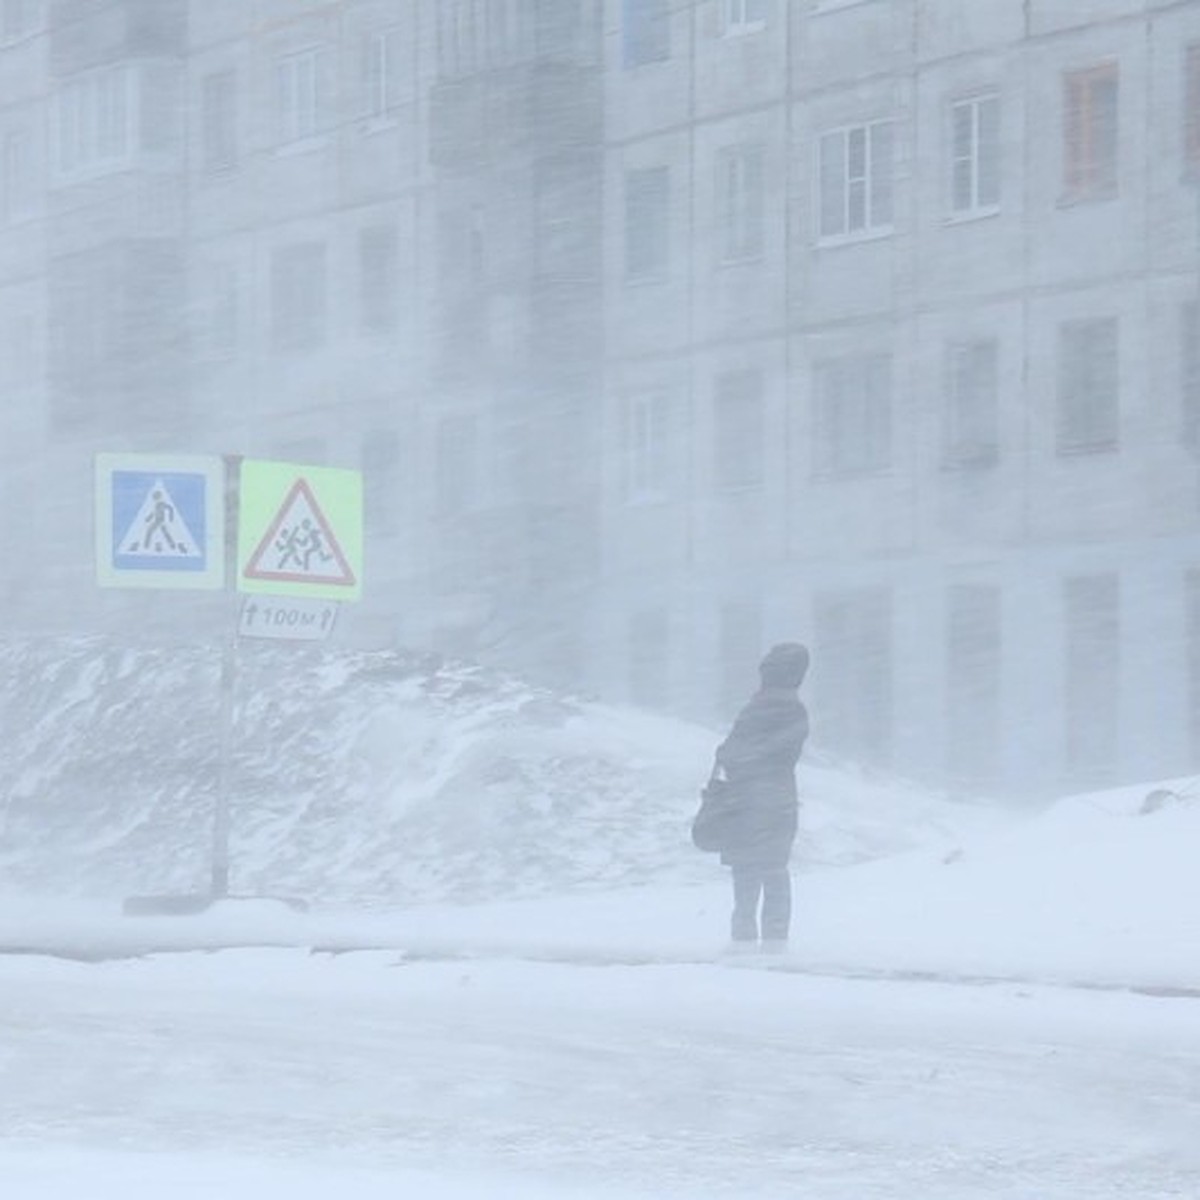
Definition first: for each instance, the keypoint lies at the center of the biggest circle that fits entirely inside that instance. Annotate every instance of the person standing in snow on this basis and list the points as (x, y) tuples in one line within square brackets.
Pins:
[(758, 761)]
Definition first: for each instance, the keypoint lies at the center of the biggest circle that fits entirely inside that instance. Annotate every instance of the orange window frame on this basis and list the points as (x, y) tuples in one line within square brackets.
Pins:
[(1089, 168)]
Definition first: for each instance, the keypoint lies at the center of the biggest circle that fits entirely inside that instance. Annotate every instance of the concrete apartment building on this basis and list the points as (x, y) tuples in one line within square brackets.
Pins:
[(660, 330), (355, 232), (902, 361)]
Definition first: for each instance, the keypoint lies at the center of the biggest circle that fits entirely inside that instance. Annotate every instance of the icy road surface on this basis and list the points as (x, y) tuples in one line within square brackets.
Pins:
[(276, 1073)]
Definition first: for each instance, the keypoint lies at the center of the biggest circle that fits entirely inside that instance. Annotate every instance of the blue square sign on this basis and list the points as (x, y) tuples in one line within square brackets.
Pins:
[(159, 521)]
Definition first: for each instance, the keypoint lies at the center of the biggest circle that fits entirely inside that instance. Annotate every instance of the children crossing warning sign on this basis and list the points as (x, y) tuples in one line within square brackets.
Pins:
[(300, 531), (299, 547)]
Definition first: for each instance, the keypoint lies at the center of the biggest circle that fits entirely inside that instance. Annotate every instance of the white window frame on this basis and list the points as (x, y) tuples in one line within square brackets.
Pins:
[(740, 202), (96, 122), (865, 183), (969, 161), (738, 17), (647, 446), (381, 76), (299, 96)]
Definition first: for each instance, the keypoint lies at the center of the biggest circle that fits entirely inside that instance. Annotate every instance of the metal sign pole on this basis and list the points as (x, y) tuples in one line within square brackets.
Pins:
[(221, 813), (220, 840)]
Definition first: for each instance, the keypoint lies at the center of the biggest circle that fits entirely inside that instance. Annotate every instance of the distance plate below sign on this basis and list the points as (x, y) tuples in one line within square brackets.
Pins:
[(287, 618)]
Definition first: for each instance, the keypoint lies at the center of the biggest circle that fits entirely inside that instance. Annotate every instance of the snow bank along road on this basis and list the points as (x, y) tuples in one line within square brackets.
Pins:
[(281, 1073)]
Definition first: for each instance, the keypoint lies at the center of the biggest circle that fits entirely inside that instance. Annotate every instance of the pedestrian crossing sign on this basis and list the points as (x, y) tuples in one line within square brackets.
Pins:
[(300, 531), (159, 521)]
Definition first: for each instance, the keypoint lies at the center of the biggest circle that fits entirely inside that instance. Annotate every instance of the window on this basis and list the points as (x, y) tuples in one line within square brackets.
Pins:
[(94, 121), (1189, 341), (740, 651), (380, 470), (20, 362), (378, 277), (476, 244), (1087, 386), (647, 31), (649, 658), (975, 155), (739, 203), (18, 19), (456, 31), (456, 466), (1090, 103), (219, 121), (298, 296), (474, 35), (853, 418), (298, 83), (1191, 116), (647, 205), (16, 175), (971, 412), (646, 440), (220, 332), (380, 75), (739, 431), (743, 16), (853, 636), (856, 181), (973, 682), (567, 215), (1092, 669), (88, 298), (1192, 634)]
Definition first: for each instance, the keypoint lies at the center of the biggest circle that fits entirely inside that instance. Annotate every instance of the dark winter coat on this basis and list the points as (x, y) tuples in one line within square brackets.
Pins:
[(758, 759)]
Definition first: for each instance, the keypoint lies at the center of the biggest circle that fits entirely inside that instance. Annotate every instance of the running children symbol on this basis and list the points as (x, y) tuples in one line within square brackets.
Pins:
[(299, 546)]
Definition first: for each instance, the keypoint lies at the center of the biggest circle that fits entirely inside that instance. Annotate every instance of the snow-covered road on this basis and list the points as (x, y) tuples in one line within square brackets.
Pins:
[(271, 1073)]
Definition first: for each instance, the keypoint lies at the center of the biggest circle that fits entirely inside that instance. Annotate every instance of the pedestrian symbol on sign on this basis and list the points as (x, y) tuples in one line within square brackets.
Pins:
[(159, 528), (158, 521)]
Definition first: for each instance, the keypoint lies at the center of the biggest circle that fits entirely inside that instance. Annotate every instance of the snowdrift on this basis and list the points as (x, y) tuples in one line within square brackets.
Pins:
[(371, 778)]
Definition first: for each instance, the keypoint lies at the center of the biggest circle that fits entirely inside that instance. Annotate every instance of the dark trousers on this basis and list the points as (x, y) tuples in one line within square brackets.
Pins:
[(773, 885)]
